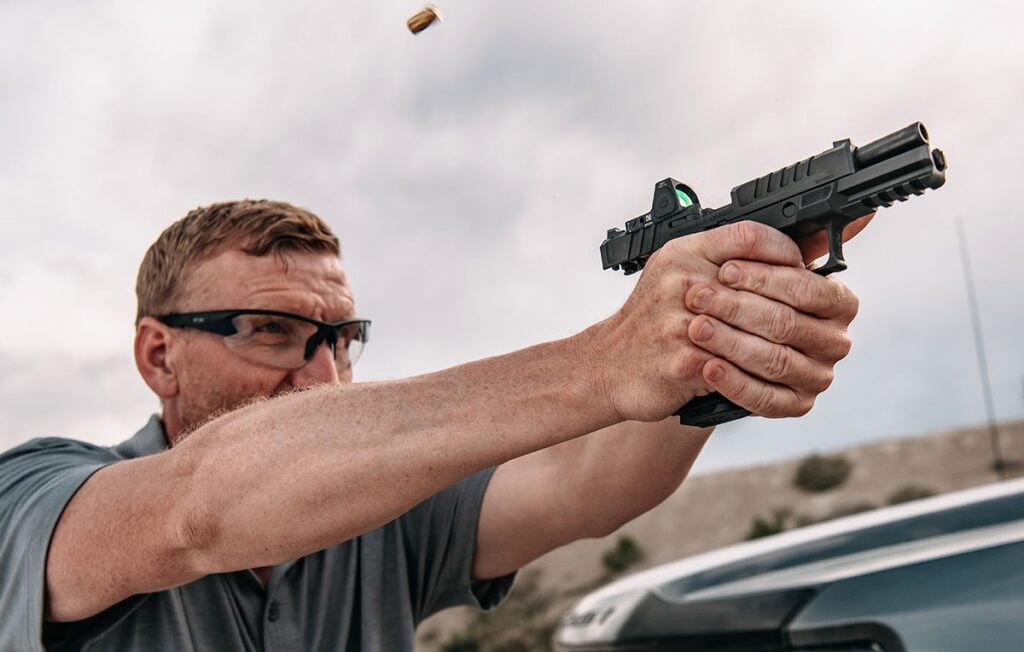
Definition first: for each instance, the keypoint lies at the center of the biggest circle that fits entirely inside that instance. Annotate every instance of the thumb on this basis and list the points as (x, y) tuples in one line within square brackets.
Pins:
[(748, 240)]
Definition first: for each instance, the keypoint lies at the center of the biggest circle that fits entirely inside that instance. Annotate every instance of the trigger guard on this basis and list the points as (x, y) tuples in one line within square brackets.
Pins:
[(835, 262)]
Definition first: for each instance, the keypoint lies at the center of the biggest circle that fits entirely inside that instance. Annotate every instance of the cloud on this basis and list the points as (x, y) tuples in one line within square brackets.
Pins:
[(472, 171), (98, 399)]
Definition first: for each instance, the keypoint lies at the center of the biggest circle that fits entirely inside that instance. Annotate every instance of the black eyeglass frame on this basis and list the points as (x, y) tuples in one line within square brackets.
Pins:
[(220, 322)]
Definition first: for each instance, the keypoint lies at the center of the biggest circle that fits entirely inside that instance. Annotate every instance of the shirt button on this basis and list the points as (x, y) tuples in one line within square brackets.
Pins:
[(273, 613)]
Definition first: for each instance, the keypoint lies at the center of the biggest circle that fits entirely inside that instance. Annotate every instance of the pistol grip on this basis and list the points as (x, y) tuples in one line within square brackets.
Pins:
[(710, 410)]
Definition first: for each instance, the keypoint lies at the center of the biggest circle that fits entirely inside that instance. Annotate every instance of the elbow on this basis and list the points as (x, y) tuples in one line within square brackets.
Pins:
[(194, 533), (193, 527)]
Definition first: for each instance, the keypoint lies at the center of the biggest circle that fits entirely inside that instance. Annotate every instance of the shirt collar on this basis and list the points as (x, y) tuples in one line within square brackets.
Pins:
[(150, 440)]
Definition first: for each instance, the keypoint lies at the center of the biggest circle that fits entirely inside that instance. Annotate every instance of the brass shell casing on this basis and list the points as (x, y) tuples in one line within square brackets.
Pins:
[(424, 19)]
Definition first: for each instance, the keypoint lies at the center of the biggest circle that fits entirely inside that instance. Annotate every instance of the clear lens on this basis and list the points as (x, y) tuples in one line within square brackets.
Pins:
[(280, 342), (351, 342)]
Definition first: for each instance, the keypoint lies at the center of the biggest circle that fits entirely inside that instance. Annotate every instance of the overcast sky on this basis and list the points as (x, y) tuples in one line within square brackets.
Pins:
[(472, 171)]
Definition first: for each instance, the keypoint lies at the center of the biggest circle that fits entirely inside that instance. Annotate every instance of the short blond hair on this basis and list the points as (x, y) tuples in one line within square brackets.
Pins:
[(256, 227)]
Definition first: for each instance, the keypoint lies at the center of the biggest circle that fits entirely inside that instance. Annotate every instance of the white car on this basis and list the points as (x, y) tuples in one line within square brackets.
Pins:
[(940, 574)]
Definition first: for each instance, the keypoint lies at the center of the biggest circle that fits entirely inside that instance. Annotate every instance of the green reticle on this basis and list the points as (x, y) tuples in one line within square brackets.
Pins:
[(684, 199)]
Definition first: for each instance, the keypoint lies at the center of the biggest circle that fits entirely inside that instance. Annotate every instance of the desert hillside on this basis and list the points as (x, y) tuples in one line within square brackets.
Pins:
[(719, 509)]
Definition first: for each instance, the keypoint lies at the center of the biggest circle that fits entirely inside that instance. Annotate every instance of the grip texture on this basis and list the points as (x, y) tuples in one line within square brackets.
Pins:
[(710, 410)]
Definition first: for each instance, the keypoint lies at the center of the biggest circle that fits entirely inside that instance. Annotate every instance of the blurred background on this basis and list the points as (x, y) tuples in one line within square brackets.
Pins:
[(471, 172)]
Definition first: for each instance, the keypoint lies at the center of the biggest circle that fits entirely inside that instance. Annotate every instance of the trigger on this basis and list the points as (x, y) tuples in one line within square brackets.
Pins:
[(835, 262)]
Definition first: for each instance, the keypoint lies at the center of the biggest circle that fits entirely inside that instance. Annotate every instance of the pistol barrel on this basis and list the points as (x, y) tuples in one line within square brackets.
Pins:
[(895, 143)]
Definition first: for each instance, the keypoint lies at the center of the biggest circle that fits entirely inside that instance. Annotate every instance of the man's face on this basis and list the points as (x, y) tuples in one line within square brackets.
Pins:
[(211, 377)]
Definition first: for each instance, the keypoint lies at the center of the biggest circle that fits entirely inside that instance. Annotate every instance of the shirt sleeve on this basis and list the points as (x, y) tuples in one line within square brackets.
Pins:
[(440, 540), (37, 480)]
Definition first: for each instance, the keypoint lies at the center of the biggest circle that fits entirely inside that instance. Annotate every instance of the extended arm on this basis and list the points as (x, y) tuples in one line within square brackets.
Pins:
[(285, 477), (292, 475)]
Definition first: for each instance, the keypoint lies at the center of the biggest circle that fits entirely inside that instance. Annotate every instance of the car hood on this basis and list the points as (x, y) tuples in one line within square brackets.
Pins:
[(753, 589)]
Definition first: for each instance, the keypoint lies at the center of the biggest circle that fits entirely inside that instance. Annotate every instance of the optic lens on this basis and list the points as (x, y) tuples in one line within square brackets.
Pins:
[(684, 199)]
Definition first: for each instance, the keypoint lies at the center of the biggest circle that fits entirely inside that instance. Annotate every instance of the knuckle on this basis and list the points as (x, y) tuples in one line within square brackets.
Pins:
[(666, 284), (803, 289), (739, 386), (844, 343), (825, 380), (748, 235), (844, 300), (729, 307), (836, 297), (757, 279), (802, 405), (674, 246), (675, 331), (719, 302), (673, 336), (765, 403), (852, 304), (783, 325), (819, 380), (780, 363), (731, 343)]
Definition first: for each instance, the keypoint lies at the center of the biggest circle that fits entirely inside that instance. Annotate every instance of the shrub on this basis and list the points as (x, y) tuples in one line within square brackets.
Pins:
[(622, 555), (766, 527), (819, 473), (850, 510), (461, 643), (909, 493)]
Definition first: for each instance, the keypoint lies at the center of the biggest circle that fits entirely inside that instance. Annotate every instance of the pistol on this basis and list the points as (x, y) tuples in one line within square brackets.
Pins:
[(826, 191)]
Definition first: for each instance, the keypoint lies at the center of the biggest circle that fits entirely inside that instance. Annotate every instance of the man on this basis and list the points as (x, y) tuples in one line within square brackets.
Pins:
[(341, 516)]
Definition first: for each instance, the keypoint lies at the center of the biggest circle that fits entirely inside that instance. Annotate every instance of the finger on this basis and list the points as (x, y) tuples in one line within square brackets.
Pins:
[(761, 398), (801, 289), (774, 363), (815, 245), (750, 241), (771, 320)]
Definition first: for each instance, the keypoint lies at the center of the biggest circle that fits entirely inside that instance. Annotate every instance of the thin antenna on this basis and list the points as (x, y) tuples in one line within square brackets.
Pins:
[(998, 464)]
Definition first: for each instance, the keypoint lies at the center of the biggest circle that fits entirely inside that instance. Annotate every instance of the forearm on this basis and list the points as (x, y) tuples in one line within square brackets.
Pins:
[(612, 476), (584, 488), (292, 475)]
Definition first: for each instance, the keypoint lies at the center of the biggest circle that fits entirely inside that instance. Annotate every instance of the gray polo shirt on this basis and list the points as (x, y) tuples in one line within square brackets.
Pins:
[(365, 594)]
